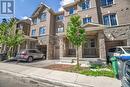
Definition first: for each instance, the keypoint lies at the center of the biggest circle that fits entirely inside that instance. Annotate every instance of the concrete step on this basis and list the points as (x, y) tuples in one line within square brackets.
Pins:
[(87, 61)]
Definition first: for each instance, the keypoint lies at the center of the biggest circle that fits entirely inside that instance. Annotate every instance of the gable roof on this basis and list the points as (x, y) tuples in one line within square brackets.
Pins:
[(40, 7)]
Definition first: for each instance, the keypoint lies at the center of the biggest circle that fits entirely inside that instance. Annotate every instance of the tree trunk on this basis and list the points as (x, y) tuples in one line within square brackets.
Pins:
[(77, 56)]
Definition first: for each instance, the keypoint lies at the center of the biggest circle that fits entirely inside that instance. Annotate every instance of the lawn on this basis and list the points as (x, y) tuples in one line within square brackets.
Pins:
[(93, 70)]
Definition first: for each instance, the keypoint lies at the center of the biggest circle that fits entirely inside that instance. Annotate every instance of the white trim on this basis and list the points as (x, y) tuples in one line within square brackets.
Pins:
[(117, 19), (110, 19)]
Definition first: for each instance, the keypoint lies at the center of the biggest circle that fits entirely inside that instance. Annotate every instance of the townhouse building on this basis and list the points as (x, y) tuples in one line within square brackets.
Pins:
[(106, 22)]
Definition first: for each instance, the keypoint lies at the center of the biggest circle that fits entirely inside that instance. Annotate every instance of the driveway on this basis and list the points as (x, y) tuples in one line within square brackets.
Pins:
[(36, 63)]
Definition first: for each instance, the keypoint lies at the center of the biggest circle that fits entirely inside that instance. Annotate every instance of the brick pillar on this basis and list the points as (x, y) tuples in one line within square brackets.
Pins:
[(102, 48), (50, 51), (61, 44)]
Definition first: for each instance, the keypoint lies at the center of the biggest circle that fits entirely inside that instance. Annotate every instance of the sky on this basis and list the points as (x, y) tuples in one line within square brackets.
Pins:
[(25, 8)]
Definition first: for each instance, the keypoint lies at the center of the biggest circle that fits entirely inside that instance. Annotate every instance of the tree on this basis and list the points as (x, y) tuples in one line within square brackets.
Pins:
[(75, 34), (10, 35)]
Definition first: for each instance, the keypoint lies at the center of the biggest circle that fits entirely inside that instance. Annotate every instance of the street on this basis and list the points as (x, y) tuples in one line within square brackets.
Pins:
[(7, 80)]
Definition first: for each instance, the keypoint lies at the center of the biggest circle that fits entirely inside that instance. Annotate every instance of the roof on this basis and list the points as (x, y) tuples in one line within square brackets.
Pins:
[(27, 21), (29, 38), (40, 7), (92, 25), (71, 4), (59, 13)]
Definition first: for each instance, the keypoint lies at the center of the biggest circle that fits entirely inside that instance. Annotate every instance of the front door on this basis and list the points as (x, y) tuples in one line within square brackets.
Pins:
[(90, 48)]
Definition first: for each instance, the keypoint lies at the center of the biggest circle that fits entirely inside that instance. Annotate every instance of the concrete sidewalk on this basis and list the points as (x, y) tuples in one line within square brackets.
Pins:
[(65, 78)]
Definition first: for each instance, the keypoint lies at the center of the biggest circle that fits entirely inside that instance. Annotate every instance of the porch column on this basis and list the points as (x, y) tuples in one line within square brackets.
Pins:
[(102, 48), (61, 44), (50, 51), (27, 44)]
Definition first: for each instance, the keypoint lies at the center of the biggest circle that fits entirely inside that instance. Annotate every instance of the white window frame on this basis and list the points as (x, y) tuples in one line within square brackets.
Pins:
[(90, 5), (60, 29), (110, 19), (39, 31), (35, 32)]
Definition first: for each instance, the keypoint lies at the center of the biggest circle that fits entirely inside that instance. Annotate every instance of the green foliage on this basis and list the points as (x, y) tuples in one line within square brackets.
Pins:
[(97, 73), (75, 33), (96, 66), (93, 70), (9, 34)]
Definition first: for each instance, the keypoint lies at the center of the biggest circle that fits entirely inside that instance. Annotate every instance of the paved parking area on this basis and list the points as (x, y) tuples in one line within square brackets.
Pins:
[(36, 63)]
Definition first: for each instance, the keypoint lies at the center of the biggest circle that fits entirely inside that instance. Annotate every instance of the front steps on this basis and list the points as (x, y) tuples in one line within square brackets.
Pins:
[(83, 61)]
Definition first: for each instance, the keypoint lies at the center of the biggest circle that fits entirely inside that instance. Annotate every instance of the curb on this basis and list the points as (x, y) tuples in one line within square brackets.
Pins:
[(45, 80)]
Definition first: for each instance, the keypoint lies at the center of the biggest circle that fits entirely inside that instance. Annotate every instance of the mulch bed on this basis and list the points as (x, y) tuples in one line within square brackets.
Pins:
[(60, 67)]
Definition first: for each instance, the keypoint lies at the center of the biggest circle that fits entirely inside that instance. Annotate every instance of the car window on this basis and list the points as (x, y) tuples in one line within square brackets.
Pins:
[(32, 51), (112, 50), (119, 50), (37, 51)]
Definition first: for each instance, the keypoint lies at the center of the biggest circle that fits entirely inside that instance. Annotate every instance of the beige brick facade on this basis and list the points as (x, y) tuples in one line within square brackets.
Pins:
[(55, 42)]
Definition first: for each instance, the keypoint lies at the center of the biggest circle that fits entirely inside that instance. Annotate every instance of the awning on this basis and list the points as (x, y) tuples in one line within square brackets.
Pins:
[(29, 38), (93, 27)]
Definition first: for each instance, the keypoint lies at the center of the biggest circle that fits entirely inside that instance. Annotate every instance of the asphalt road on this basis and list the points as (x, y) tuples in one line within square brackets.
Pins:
[(7, 80)]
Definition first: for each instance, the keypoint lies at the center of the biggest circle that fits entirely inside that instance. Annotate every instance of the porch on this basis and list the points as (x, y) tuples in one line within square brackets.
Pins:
[(94, 47)]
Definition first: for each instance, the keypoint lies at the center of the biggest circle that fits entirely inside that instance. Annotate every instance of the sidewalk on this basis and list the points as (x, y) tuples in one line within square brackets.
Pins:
[(66, 78)]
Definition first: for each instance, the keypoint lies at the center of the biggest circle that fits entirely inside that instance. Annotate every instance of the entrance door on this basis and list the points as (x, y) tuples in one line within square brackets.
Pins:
[(90, 48)]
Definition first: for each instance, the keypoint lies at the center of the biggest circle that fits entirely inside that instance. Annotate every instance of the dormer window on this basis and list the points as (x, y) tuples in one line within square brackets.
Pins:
[(43, 17), (71, 10), (60, 17), (106, 2), (85, 4)]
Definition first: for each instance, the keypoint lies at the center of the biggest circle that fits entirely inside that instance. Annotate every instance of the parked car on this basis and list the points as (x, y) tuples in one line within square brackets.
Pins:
[(29, 55), (122, 52), (126, 75)]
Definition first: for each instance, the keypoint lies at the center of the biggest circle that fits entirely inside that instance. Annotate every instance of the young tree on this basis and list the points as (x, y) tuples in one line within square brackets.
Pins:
[(3, 34), (76, 34), (12, 36)]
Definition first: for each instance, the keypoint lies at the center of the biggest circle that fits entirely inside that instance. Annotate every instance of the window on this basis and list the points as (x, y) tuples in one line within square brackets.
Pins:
[(127, 50), (35, 21), (42, 31), (86, 20), (120, 51), (60, 30), (92, 43), (43, 16), (106, 2), (110, 20), (32, 51), (85, 4), (33, 32), (71, 10), (60, 17)]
